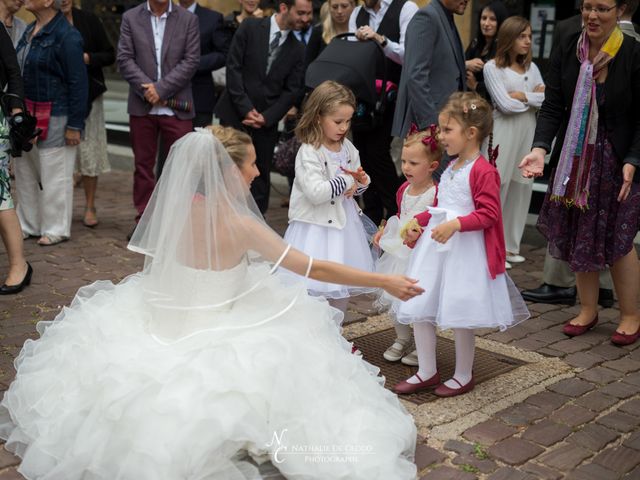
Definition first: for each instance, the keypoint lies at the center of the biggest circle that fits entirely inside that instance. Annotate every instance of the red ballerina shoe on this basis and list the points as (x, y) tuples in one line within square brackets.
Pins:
[(406, 388), (576, 330), (444, 391), (622, 339)]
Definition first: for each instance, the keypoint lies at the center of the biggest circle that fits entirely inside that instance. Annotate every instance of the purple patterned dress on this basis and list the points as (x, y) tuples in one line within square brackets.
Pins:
[(593, 239)]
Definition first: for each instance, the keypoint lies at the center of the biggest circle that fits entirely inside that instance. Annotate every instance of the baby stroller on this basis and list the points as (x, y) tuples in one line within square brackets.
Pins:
[(354, 64)]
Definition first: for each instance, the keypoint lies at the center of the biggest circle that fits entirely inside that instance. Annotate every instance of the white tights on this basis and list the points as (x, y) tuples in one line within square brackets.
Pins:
[(425, 337)]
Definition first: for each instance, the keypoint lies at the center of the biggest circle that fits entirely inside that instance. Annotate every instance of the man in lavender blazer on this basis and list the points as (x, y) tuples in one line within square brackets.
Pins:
[(158, 53)]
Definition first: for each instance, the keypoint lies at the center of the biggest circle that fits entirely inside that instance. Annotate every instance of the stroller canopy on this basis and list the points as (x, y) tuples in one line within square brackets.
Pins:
[(352, 64)]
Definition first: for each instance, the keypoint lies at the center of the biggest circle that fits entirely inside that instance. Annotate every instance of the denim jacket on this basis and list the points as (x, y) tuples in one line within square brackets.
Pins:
[(54, 69)]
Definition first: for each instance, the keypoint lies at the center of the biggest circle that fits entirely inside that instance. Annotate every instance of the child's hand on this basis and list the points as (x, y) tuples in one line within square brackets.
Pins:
[(402, 287), (359, 175), (443, 232), (376, 238), (351, 192), (412, 237)]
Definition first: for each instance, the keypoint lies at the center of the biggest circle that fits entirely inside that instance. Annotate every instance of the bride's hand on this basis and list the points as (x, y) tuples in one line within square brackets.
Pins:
[(402, 287)]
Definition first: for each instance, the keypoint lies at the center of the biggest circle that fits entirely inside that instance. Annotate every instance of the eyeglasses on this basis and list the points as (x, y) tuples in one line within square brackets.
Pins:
[(597, 10)]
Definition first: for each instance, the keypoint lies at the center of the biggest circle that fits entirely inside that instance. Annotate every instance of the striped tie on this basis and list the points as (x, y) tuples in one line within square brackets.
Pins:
[(273, 49)]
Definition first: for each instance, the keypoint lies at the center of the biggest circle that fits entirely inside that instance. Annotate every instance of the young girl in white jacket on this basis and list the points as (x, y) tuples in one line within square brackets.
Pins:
[(324, 219)]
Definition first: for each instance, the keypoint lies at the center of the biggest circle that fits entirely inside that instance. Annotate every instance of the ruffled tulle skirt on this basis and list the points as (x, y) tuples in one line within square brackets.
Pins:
[(102, 396), (459, 290), (348, 246)]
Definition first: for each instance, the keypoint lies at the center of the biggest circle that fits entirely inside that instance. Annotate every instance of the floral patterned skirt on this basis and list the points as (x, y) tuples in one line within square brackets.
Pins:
[(6, 201), (594, 238)]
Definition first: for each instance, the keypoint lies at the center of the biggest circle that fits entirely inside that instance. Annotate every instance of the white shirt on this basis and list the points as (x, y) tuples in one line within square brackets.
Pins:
[(273, 28), (394, 51), (157, 26), (192, 7)]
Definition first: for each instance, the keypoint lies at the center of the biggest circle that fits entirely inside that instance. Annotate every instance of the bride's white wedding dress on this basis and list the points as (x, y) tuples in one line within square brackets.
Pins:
[(117, 388)]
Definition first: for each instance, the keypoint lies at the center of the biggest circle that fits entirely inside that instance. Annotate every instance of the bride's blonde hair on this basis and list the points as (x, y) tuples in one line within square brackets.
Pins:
[(234, 142)]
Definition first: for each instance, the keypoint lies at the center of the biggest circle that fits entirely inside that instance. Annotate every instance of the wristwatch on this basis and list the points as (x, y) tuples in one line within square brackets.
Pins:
[(384, 41)]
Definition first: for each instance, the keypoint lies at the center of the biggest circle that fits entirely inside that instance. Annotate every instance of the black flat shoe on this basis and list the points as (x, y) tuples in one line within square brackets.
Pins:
[(546, 293), (13, 289)]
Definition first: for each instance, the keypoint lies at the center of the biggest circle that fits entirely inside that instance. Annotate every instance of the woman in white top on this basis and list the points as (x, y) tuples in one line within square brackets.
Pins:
[(517, 90)]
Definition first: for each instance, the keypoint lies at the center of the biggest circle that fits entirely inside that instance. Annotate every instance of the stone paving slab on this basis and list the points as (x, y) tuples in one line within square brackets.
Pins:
[(583, 425)]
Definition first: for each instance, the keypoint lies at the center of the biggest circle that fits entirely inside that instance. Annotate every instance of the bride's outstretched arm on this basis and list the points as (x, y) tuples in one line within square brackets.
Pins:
[(271, 246)]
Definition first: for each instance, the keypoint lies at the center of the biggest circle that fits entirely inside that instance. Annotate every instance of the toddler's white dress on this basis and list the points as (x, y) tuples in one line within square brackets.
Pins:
[(395, 258), (459, 290)]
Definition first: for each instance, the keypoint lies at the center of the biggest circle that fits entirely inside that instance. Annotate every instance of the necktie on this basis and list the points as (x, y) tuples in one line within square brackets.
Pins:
[(273, 49)]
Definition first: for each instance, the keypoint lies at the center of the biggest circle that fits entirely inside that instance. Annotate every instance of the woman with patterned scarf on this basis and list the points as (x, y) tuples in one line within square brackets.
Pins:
[(590, 213)]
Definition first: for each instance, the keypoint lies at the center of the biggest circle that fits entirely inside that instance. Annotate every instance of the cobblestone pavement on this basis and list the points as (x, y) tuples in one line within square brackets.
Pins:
[(581, 428)]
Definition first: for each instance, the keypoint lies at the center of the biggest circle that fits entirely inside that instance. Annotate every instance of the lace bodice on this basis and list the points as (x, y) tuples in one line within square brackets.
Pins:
[(411, 205), (454, 192)]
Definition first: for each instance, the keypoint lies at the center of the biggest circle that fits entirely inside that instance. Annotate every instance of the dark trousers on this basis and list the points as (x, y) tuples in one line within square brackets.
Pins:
[(145, 131), (202, 119), (374, 147), (264, 140)]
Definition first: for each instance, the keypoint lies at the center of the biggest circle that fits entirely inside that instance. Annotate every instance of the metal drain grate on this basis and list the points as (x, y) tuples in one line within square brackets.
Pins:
[(486, 365)]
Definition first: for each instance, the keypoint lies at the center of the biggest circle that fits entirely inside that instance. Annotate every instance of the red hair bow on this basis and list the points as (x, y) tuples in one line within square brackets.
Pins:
[(431, 140)]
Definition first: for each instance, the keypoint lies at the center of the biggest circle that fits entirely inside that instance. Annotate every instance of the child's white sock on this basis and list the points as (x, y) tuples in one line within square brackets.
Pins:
[(465, 349), (403, 331), (425, 337)]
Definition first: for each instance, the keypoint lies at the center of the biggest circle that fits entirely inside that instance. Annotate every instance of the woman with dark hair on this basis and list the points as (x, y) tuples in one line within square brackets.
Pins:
[(591, 212), (514, 83), (483, 47), (19, 275)]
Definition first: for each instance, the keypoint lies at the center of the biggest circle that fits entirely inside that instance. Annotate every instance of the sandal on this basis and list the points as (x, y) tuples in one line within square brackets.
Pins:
[(91, 223), (49, 240)]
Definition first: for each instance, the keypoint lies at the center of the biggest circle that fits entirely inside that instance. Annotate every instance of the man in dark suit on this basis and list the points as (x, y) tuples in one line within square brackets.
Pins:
[(264, 75), (213, 55), (158, 53)]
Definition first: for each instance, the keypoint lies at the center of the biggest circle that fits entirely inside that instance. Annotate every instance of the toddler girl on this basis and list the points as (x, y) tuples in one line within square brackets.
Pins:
[(460, 258), (324, 219), (421, 155)]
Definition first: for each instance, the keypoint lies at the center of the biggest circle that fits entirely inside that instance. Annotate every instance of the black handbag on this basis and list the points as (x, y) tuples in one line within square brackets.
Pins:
[(22, 126)]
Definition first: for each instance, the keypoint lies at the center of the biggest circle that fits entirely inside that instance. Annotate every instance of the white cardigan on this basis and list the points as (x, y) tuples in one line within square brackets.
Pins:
[(318, 187)]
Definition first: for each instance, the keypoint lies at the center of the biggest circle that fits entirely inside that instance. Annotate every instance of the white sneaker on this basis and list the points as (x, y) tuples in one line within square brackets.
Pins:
[(507, 266), (398, 350), (411, 359), (515, 258)]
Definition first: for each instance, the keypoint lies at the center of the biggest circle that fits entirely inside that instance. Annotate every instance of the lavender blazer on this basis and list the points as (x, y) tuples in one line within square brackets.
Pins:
[(180, 57)]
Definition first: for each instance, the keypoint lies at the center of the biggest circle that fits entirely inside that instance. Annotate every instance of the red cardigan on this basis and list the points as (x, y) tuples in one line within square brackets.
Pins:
[(485, 190)]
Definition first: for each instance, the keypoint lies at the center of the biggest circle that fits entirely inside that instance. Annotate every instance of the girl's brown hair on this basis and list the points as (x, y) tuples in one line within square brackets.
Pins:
[(429, 140), (234, 142), (325, 99), (470, 110), (509, 32)]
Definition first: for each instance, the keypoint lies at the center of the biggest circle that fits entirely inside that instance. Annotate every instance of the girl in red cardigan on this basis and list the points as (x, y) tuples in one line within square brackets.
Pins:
[(460, 262)]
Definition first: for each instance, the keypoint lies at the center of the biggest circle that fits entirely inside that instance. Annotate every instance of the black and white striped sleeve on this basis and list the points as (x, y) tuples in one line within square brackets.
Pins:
[(338, 186)]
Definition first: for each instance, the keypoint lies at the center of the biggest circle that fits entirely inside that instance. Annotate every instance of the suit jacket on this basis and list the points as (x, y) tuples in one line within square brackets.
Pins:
[(621, 109), (137, 57), (10, 71), (97, 45), (248, 84), (213, 55), (565, 29), (429, 75), (629, 29)]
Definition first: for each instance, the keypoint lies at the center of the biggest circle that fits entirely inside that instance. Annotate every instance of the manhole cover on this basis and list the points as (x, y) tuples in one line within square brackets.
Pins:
[(486, 365)]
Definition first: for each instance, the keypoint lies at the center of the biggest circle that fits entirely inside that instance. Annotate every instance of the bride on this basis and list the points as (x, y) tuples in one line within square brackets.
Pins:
[(210, 360)]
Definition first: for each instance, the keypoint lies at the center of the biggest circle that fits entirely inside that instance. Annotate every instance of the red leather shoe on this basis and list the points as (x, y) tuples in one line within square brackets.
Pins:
[(623, 339), (576, 330), (444, 391), (406, 388)]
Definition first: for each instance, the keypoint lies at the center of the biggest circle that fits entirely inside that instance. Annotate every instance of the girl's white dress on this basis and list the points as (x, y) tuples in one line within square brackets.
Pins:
[(395, 258), (459, 290), (348, 246), (102, 396)]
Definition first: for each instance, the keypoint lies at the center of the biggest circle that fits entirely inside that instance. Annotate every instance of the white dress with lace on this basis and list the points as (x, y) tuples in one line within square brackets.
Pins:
[(116, 388), (459, 290), (395, 258)]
